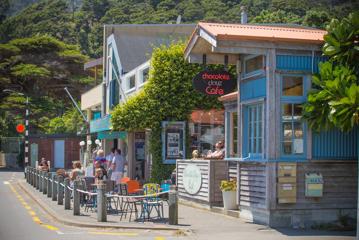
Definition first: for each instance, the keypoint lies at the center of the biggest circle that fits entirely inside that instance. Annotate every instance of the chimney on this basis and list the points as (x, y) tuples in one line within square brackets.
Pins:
[(244, 17)]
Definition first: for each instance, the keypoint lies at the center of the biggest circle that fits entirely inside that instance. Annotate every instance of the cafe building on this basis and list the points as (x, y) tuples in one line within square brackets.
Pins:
[(287, 174)]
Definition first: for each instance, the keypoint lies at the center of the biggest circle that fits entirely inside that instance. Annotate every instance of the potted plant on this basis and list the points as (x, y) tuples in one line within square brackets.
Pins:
[(229, 190)]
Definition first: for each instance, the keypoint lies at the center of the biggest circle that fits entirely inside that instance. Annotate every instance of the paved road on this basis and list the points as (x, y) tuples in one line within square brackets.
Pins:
[(22, 219)]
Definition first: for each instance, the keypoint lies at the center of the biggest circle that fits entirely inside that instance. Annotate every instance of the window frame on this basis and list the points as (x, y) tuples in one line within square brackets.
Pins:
[(293, 100), (246, 134), (142, 76), (255, 72), (128, 80)]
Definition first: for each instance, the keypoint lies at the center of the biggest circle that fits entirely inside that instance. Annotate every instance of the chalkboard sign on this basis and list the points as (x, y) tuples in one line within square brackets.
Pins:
[(214, 82)]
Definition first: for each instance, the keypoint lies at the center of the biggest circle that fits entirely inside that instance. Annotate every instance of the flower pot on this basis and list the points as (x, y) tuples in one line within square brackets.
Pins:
[(229, 200)]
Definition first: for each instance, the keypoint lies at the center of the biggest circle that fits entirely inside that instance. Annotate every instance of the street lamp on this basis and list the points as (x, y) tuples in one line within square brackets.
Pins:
[(26, 145)]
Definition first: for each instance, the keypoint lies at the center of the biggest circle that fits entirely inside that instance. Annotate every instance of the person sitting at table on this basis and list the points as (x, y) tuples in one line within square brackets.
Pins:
[(98, 165), (76, 171), (218, 153)]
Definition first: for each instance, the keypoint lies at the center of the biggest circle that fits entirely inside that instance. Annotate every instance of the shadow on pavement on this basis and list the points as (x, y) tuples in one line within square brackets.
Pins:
[(311, 232)]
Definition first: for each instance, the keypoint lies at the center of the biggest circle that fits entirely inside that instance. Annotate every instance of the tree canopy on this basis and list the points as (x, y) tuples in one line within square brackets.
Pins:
[(82, 24), (40, 67), (334, 100)]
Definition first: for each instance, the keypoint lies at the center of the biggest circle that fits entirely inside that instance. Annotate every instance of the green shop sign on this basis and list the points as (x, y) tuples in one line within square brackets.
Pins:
[(101, 124)]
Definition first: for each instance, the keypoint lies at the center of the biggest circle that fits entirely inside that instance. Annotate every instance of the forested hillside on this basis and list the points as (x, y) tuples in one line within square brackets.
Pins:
[(80, 22), (43, 46)]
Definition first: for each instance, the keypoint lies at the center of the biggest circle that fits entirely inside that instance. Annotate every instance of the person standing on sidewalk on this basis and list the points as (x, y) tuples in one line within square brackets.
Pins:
[(118, 167), (109, 159)]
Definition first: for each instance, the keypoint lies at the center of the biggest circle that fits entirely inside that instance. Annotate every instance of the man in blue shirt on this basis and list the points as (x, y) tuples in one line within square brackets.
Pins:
[(118, 166)]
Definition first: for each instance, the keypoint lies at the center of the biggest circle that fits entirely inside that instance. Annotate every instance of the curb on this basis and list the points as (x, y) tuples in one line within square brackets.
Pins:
[(64, 221)]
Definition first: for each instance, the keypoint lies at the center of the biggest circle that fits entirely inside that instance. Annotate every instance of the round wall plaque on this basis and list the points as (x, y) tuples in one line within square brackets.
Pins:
[(192, 179)]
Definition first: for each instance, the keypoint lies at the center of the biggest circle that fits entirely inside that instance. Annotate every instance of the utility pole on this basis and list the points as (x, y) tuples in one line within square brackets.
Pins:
[(27, 131)]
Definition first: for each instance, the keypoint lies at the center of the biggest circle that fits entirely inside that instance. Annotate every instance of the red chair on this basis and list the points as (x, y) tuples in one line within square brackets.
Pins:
[(125, 179), (132, 186)]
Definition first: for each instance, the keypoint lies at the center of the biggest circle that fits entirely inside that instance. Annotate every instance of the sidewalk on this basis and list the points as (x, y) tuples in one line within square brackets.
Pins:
[(195, 223)]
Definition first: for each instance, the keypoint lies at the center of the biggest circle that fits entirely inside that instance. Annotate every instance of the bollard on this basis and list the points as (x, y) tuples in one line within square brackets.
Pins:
[(173, 206), (33, 177), (49, 185), (101, 202), (67, 194), (60, 190), (76, 198), (37, 179), (44, 184), (54, 188), (41, 181)]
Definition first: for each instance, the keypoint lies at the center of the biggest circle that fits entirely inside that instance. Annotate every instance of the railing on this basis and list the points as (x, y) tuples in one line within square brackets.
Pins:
[(59, 189)]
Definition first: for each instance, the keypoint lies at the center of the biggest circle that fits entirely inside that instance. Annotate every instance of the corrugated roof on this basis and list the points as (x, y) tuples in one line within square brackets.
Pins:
[(263, 32), (135, 43)]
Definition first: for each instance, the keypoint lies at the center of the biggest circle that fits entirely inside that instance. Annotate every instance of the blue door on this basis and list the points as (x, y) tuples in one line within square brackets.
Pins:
[(59, 152)]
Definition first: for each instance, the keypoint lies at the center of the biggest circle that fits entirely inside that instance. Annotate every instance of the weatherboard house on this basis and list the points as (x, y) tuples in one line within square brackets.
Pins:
[(287, 174)]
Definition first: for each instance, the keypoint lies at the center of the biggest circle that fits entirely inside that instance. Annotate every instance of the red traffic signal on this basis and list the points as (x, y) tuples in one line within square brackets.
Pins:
[(20, 128)]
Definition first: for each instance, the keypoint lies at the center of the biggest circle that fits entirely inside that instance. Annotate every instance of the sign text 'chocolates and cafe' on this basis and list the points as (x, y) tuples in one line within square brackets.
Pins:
[(214, 82)]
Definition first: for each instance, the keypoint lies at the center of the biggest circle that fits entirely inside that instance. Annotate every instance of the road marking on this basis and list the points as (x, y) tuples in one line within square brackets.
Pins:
[(32, 213), (52, 228), (60, 233), (27, 207), (36, 219), (6, 183), (115, 234), (159, 238)]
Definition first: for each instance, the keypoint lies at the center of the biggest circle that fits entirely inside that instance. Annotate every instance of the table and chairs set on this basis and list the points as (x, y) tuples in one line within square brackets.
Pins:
[(128, 198)]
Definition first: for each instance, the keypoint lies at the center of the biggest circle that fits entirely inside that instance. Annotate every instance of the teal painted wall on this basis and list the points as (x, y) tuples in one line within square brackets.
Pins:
[(335, 144), (298, 63), (253, 89)]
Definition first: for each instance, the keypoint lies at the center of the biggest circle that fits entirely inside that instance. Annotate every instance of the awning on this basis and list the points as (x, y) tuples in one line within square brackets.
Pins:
[(111, 135)]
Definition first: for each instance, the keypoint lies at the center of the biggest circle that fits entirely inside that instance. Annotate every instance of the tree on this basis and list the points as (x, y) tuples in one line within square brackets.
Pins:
[(40, 67), (335, 98), (70, 122), (4, 7), (317, 19)]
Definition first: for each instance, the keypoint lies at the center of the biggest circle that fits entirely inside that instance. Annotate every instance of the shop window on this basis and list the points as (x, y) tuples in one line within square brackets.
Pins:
[(253, 65), (292, 86), (292, 129), (206, 128), (255, 131)]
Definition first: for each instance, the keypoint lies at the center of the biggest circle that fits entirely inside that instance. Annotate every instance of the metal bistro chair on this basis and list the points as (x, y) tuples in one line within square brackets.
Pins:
[(90, 201), (130, 203), (151, 201)]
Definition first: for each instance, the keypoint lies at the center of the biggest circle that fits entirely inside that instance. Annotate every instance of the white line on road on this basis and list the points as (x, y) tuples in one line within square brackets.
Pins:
[(6, 183)]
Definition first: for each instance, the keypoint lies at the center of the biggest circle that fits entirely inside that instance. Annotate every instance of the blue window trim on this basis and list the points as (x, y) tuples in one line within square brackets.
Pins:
[(245, 135), (293, 100), (256, 72), (164, 124)]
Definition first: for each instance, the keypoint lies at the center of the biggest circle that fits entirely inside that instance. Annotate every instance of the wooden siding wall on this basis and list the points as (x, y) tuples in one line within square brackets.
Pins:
[(252, 185), (339, 189), (46, 150), (213, 171)]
